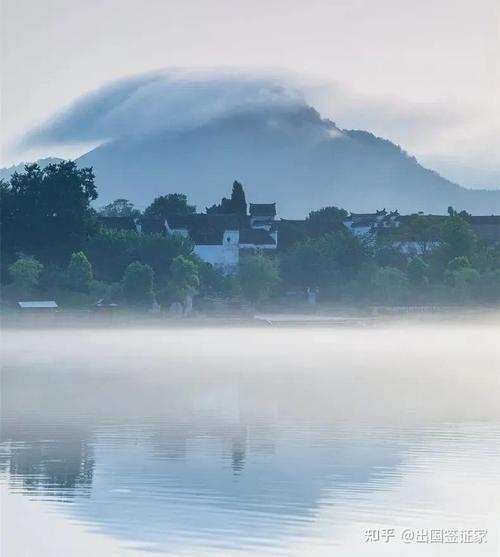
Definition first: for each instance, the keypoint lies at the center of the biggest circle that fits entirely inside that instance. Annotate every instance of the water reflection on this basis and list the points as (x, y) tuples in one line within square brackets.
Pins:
[(251, 440)]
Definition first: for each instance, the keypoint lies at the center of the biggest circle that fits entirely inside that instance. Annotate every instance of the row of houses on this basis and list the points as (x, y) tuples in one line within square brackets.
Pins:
[(486, 228), (220, 239)]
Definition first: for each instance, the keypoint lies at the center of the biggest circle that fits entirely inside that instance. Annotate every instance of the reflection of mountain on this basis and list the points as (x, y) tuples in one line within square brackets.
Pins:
[(155, 459)]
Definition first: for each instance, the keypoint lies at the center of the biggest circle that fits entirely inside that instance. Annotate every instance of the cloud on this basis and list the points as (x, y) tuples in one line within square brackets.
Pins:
[(159, 102), (177, 99)]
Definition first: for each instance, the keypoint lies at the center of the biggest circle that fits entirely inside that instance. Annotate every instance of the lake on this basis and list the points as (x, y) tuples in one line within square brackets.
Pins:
[(298, 441)]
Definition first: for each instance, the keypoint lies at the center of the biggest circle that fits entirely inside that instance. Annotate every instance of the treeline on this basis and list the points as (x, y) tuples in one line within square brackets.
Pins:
[(452, 265), (55, 246)]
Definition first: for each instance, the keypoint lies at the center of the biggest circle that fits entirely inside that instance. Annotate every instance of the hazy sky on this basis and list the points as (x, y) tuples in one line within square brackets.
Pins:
[(423, 73)]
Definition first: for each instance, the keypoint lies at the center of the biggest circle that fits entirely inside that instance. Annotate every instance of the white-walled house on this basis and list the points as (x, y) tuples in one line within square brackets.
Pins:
[(364, 224), (218, 239)]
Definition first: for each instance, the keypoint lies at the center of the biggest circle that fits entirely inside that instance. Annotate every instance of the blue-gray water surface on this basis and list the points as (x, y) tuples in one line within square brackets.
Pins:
[(251, 441)]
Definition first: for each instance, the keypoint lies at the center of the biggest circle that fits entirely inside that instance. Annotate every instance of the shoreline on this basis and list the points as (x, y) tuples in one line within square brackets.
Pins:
[(347, 317)]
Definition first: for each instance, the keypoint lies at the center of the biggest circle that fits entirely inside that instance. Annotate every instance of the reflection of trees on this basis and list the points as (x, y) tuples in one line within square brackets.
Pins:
[(181, 420), (60, 466), (238, 449)]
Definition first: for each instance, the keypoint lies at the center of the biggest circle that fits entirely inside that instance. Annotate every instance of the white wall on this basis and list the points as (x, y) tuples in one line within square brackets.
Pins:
[(259, 247), (225, 257), (180, 232), (231, 237)]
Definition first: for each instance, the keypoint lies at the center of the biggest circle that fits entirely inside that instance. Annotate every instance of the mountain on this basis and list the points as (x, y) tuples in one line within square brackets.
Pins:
[(289, 155), (197, 132), (6, 173)]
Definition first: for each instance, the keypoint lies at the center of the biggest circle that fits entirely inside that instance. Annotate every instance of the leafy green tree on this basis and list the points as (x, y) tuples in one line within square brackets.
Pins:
[(236, 204), (422, 229), (391, 285), (120, 208), (159, 251), (328, 261), (110, 251), (290, 233), (488, 287), (184, 278), (465, 283), (238, 199), (25, 273), (79, 272), (47, 211), (259, 275), (461, 262), (457, 237), (325, 221), (170, 204), (138, 283), (361, 286), (388, 255), (417, 270)]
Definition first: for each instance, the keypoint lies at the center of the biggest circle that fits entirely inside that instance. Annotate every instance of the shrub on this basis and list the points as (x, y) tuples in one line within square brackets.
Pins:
[(79, 273), (25, 273), (138, 283)]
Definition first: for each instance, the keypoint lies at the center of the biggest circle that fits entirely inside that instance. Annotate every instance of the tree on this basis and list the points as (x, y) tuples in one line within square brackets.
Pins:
[(235, 205), (465, 282), (489, 286), (25, 273), (170, 204), (238, 199), (327, 261), (326, 220), (120, 208), (138, 283), (417, 270), (79, 273), (184, 278), (47, 212), (259, 275), (457, 263), (457, 237), (110, 251), (391, 285), (422, 229)]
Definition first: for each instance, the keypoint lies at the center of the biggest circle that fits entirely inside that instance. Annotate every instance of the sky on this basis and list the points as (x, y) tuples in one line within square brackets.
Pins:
[(424, 74)]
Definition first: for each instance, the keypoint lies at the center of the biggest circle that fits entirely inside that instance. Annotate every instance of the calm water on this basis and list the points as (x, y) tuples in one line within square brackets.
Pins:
[(251, 442)]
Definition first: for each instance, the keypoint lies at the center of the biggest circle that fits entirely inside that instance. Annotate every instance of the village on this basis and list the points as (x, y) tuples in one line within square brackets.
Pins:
[(219, 239), (60, 252)]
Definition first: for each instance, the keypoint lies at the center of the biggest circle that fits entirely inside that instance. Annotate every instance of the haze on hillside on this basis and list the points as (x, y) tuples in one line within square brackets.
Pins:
[(195, 134)]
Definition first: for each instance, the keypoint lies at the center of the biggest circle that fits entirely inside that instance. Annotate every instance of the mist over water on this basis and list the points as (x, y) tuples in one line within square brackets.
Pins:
[(249, 441)]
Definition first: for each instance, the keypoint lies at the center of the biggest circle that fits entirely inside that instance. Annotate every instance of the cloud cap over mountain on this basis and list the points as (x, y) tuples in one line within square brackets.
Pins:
[(195, 132), (163, 101)]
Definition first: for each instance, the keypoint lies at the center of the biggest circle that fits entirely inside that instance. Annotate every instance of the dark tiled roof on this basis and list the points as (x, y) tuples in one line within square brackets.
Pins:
[(256, 237), (152, 226), (118, 223), (207, 230), (484, 219), (263, 209), (486, 232), (362, 215), (298, 222), (485, 227), (430, 219), (363, 222), (209, 237), (201, 220)]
